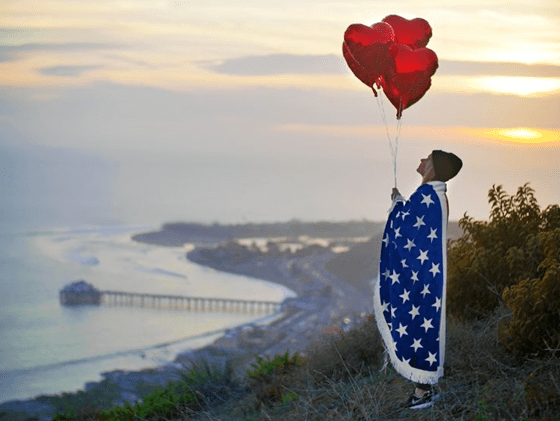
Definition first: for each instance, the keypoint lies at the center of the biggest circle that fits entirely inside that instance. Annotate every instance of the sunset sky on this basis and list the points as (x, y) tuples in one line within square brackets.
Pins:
[(259, 81)]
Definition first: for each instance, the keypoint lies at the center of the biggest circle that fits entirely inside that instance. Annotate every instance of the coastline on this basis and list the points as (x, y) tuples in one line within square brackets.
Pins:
[(323, 301)]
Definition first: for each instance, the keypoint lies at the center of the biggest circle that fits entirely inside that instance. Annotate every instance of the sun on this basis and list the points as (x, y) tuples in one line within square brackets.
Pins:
[(523, 135), (517, 135)]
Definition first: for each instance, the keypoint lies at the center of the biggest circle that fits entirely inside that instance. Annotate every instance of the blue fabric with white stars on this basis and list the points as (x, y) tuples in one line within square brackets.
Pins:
[(411, 279)]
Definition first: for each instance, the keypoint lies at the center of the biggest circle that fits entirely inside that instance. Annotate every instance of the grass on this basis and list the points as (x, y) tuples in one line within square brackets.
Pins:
[(343, 377)]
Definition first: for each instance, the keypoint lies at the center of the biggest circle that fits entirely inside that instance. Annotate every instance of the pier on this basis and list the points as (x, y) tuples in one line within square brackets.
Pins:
[(177, 302), (82, 293)]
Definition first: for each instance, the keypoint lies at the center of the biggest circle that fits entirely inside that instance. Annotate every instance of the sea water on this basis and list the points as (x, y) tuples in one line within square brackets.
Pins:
[(47, 348), (62, 220)]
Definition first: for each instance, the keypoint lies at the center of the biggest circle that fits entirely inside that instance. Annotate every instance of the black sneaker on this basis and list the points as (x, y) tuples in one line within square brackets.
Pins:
[(427, 400)]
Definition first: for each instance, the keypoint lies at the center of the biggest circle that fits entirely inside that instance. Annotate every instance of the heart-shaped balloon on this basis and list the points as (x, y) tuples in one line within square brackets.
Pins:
[(366, 51), (415, 33), (360, 71), (410, 76)]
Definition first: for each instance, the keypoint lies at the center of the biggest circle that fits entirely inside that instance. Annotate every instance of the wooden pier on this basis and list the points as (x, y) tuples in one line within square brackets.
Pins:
[(82, 293), (177, 302)]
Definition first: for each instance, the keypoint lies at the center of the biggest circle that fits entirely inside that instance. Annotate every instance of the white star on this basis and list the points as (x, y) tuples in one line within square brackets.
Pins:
[(386, 273), (393, 311), (384, 307), (397, 232), (425, 291), (386, 239), (404, 296), (395, 278), (416, 344), (414, 277), (427, 324), (437, 304), (431, 358), (435, 269), (433, 234), (395, 347), (423, 256), (415, 311), (406, 361), (419, 222), (405, 214), (409, 244), (402, 330), (427, 199), (403, 263)]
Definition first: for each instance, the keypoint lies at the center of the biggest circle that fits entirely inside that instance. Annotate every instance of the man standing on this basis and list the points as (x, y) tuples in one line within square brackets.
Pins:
[(410, 291)]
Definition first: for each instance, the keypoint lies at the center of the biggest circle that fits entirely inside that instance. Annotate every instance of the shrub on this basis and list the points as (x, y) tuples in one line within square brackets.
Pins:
[(271, 380), (514, 258), (497, 254), (535, 303)]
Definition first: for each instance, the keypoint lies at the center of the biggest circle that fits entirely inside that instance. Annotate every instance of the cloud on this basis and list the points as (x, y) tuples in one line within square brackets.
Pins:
[(66, 71), (494, 68), (13, 52), (276, 64)]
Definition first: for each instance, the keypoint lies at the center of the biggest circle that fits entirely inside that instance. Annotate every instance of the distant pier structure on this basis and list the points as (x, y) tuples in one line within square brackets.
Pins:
[(80, 292)]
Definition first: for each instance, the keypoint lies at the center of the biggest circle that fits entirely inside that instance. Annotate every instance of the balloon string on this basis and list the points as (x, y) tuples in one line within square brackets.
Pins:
[(399, 125), (394, 148)]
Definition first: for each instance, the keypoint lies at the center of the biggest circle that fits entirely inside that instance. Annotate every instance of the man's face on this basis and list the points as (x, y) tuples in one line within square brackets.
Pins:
[(426, 166)]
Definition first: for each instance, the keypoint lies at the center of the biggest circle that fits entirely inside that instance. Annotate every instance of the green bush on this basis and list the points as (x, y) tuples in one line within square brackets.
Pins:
[(512, 258), (271, 380), (201, 385), (161, 402), (497, 254), (534, 327)]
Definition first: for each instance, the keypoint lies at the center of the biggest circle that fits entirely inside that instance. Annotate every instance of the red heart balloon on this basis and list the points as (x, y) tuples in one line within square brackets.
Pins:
[(366, 51), (410, 76), (415, 33), (359, 71)]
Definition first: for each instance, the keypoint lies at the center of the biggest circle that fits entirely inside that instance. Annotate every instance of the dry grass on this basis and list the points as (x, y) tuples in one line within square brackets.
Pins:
[(344, 379)]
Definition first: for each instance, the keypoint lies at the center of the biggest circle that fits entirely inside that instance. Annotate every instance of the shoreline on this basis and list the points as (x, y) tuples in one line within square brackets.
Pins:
[(322, 301)]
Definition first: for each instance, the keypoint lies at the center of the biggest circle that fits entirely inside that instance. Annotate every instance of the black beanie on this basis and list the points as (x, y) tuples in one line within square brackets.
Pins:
[(446, 165)]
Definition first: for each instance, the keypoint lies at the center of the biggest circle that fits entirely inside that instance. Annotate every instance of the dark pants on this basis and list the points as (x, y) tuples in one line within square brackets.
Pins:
[(425, 387)]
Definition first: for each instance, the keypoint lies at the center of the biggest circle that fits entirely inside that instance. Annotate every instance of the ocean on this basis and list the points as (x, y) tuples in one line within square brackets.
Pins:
[(47, 348), (58, 224)]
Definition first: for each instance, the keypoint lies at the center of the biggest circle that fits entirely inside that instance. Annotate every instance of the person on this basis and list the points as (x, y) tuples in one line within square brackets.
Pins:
[(410, 291)]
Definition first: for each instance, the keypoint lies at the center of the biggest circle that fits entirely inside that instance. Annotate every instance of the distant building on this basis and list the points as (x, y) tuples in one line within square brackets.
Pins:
[(80, 292)]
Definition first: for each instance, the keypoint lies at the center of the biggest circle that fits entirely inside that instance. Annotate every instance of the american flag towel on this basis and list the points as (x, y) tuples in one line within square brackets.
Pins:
[(409, 293)]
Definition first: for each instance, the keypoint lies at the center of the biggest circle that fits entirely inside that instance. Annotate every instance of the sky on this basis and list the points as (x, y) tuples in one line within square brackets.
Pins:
[(261, 87)]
